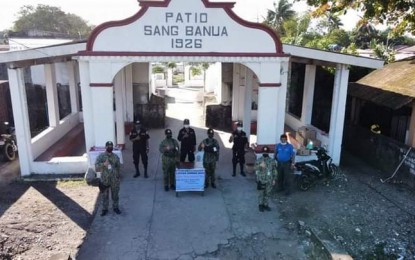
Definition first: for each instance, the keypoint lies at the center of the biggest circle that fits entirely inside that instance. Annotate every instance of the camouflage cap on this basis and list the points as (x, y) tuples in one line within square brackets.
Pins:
[(167, 132), (109, 143), (210, 131)]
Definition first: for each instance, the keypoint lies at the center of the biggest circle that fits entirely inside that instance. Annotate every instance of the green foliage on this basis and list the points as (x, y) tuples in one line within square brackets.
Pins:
[(398, 14), (197, 68), (297, 30), (158, 69), (170, 65), (178, 79), (282, 12), (383, 51), (51, 20)]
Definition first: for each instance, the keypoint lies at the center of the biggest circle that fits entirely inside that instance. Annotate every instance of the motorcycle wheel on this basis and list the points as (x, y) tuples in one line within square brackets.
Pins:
[(8, 152), (304, 182), (333, 170)]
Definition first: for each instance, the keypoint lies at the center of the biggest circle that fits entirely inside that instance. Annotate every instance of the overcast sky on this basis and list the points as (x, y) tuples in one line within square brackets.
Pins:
[(99, 11)]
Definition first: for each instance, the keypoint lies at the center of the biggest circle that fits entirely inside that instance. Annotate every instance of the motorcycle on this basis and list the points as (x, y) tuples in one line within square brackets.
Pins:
[(309, 172), (8, 144)]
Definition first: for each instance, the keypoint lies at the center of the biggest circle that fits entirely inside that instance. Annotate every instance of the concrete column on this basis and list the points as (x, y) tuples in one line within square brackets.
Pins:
[(236, 86), (87, 109), (103, 114), (267, 121), (169, 79), (21, 119), (129, 93), (338, 109), (308, 94), (73, 87), (281, 101), (119, 87), (52, 95), (249, 77), (411, 137)]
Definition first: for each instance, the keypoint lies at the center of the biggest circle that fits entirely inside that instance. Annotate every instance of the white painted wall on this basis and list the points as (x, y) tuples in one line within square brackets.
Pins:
[(45, 139), (140, 72)]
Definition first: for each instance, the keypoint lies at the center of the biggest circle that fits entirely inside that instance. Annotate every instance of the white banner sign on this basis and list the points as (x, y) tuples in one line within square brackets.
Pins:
[(190, 179)]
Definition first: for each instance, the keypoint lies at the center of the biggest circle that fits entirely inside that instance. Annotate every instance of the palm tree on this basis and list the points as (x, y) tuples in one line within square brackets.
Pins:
[(364, 33), (334, 21), (276, 17)]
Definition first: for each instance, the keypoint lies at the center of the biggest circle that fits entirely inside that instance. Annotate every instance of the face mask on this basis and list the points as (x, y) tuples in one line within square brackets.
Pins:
[(239, 129), (186, 126), (210, 136), (284, 142), (109, 149), (168, 136)]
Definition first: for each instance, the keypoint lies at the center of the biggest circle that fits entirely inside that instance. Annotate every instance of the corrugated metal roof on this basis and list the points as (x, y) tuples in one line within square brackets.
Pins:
[(392, 86), (378, 96)]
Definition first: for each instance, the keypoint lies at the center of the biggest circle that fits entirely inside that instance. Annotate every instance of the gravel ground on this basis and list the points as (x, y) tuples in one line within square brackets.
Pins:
[(42, 220), (356, 213)]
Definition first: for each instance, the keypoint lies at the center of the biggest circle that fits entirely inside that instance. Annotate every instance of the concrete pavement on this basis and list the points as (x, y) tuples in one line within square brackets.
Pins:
[(155, 224)]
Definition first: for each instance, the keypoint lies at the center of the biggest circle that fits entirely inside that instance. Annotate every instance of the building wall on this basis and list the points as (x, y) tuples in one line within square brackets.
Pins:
[(5, 116), (381, 152), (3, 72)]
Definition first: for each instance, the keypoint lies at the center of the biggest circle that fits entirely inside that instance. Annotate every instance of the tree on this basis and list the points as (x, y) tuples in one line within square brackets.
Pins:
[(51, 20), (276, 17), (297, 30), (399, 14), (364, 33)]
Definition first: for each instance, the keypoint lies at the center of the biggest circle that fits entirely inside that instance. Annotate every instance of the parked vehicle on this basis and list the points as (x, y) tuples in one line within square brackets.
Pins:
[(309, 172), (8, 144)]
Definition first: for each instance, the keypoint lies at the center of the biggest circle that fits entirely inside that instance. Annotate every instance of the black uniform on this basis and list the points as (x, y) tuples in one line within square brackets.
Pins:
[(238, 150), (140, 149), (187, 138)]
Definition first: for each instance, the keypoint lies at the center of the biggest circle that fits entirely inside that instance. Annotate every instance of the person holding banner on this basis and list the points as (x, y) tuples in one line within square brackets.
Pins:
[(210, 146)]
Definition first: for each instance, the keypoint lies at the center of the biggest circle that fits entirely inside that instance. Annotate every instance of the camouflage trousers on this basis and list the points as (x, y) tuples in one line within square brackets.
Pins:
[(169, 170), (210, 172), (114, 188), (264, 195)]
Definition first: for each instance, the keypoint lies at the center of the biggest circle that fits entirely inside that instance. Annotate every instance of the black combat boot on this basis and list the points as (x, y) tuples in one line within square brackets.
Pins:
[(234, 170), (261, 208), (267, 208), (213, 185), (145, 173), (117, 210), (104, 212), (137, 171), (242, 169)]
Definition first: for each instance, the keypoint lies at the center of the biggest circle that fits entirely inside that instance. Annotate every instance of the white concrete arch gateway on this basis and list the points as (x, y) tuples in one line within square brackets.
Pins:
[(165, 31), (188, 31)]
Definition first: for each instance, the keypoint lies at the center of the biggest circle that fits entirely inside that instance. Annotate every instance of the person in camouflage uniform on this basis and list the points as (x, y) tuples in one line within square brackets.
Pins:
[(266, 174), (108, 164), (211, 148), (169, 148)]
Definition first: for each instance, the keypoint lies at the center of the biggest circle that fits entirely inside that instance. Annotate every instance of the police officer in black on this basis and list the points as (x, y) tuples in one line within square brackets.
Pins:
[(240, 143), (139, 137), (187, 138)]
